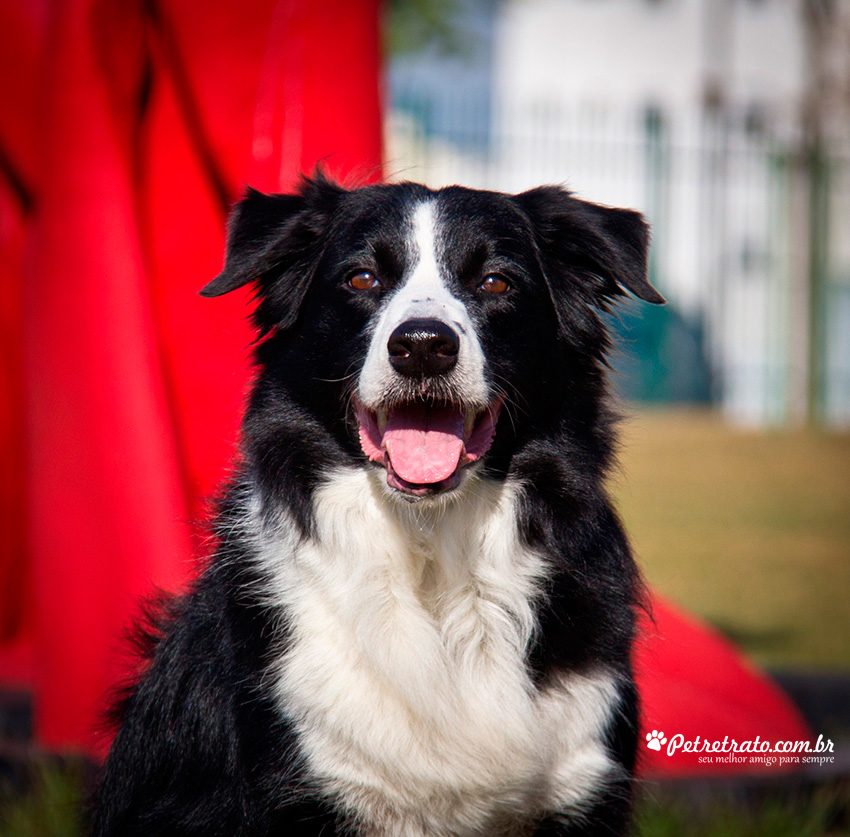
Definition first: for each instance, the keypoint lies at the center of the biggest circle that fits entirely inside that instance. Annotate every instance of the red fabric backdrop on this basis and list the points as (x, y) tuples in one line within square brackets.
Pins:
[(137, 124), (127, 131)]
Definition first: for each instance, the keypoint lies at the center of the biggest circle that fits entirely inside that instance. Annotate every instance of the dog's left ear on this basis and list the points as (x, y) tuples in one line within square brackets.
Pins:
[(606, 245)]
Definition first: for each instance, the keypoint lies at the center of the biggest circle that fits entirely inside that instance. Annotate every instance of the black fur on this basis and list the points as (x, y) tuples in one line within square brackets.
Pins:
[(202, 749)]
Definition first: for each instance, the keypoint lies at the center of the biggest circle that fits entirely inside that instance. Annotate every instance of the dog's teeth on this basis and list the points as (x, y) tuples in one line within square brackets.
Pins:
[(469, 422), (383, 418)]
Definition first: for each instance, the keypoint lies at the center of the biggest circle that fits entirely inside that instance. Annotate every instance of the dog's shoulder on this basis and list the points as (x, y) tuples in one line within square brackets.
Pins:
[(195, 717)]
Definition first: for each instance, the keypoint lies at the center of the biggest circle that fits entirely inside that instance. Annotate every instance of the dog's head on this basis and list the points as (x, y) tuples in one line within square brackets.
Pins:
[(430, 330)]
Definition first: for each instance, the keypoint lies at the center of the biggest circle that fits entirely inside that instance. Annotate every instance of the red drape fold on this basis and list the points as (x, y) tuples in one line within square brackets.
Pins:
[(151, 118)]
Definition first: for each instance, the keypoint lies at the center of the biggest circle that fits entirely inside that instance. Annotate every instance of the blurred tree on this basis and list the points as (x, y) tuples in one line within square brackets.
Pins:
[(417, 25)]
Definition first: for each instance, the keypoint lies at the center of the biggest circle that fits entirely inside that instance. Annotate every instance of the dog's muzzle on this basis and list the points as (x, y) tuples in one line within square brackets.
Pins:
[(426, 432)]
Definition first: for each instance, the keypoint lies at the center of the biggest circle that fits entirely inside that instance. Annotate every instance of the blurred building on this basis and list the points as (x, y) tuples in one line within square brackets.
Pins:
[(726, 121)]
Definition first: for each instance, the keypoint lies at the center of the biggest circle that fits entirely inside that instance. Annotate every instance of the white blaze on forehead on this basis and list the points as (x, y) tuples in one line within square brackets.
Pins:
[(423, 294)]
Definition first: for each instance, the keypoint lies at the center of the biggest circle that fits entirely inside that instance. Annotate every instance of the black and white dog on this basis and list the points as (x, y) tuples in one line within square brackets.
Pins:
[(419, 615)]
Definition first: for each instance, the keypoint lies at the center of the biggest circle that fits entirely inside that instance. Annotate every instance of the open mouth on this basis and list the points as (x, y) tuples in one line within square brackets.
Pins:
[(425, 445)]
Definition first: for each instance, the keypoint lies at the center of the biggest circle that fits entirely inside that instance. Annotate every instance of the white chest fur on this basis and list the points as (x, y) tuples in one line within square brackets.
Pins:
[(405, 675)]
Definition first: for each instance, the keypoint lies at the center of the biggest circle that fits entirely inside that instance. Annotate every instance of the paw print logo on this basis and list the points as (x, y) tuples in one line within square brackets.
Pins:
[(655, 739)]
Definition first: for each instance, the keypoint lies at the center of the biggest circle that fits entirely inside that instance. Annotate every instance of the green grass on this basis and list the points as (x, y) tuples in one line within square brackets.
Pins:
[(749, 530), (820, 814), (50, 806)]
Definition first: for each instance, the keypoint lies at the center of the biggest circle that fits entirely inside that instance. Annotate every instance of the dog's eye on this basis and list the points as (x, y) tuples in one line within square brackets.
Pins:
[(494, 284), (363, 280)]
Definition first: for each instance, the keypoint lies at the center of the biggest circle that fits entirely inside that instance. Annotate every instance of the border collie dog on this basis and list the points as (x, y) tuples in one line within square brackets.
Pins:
[(418, 618)]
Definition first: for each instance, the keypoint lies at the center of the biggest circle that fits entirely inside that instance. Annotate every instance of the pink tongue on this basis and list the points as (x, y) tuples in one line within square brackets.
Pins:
[(424, 443)]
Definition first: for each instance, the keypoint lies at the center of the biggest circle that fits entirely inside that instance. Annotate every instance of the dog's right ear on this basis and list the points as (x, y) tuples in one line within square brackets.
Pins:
[(256, 232), (274, 241)]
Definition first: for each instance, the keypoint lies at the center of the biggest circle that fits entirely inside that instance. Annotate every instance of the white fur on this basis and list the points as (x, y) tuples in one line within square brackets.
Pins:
[(423, 294), (405, 675)]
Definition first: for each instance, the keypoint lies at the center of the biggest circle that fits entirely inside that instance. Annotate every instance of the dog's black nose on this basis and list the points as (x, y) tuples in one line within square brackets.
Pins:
[(423, 347)]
